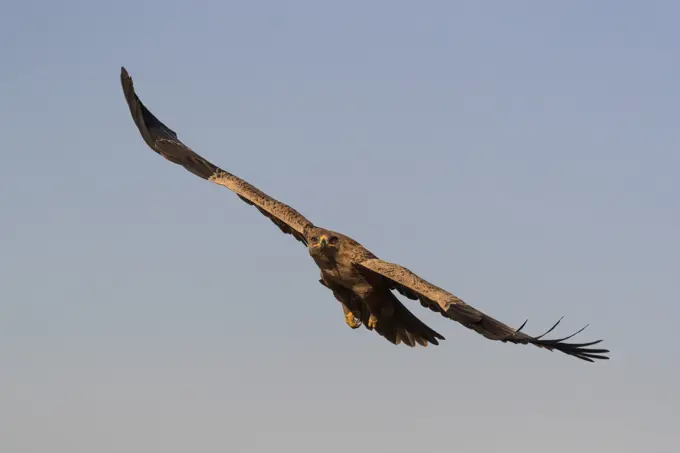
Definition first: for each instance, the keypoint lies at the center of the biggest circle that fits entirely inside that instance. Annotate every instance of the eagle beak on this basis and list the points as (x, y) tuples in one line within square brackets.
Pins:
[(323, 241)]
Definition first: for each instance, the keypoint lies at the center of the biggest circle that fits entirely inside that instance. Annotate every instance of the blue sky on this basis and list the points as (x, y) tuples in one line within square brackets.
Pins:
[(523, 155)]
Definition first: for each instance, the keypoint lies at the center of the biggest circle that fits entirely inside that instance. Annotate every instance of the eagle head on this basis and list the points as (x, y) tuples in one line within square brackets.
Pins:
[(323, 242)]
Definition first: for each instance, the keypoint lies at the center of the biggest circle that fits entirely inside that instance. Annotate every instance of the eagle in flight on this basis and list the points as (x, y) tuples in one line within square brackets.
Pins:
[(359, 280)]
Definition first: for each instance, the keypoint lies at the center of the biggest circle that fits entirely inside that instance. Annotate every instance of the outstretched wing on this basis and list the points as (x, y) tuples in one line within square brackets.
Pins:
[(164, 141), (441, 301)]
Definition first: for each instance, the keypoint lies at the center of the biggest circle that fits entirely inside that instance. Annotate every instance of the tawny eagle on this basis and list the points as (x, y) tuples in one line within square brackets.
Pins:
[(359, 280)]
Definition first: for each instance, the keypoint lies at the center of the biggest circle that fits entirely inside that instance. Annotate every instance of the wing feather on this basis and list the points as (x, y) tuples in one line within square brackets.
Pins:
[(437, 299), (164, 141)]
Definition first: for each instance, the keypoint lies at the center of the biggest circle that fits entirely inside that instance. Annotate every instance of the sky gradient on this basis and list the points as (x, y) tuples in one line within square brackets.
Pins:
[(522, 155)]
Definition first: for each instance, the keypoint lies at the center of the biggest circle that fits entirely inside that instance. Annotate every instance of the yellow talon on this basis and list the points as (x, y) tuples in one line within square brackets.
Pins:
[(352, 320), (372, 322)]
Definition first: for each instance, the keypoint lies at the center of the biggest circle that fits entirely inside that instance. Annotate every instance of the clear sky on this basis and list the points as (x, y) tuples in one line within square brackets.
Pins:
[(523, 155)]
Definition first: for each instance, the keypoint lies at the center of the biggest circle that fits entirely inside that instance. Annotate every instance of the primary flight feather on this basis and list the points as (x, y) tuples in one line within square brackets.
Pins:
[(359, 280)]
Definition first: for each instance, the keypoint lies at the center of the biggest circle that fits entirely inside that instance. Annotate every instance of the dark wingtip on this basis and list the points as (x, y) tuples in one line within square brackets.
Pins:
[(124, 76), (582, 351), (126, 82), (578, 350)]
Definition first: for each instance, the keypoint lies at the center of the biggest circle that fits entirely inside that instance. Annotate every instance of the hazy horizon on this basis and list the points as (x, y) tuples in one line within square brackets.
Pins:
[(522, 156)]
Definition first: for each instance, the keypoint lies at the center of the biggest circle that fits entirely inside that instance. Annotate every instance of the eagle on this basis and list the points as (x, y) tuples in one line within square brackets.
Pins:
[(364, 284)]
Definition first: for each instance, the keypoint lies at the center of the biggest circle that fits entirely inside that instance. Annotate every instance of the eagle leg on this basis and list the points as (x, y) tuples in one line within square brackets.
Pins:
[(352, 320), (372, 322)]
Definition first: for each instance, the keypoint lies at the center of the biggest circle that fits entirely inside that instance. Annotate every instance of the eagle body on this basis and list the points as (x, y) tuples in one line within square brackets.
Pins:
[(364, 284), (366, 299)]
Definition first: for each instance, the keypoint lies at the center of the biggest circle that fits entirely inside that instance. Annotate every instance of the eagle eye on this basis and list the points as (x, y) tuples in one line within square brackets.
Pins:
[(333, 240), (315, 239)]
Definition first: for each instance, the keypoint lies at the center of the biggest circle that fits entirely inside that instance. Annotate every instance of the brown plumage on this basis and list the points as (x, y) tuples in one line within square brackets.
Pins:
[(359, 280)]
